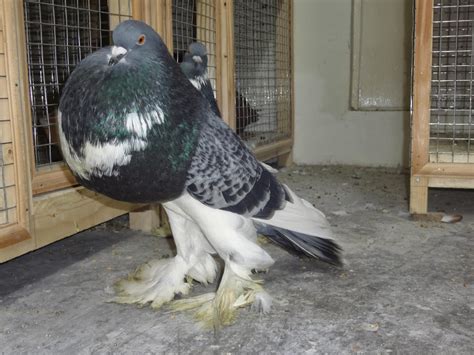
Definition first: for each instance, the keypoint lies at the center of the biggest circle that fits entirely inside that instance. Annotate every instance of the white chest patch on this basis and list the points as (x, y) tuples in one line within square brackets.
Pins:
[(102, 159), (141, 124), (199, 82)]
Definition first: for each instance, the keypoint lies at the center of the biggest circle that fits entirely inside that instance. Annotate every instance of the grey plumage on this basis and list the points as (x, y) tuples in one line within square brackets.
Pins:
[(194, 66), (132, 127)]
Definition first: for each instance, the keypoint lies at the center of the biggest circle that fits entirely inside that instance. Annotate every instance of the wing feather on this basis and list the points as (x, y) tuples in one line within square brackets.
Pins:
[(224, 174)]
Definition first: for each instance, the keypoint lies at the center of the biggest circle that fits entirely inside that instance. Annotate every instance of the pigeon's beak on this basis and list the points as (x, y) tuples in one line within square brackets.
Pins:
[(116, 54), (197, 59)]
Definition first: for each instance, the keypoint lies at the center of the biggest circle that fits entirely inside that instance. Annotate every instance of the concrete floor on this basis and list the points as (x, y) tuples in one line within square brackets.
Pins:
[(407, 287)]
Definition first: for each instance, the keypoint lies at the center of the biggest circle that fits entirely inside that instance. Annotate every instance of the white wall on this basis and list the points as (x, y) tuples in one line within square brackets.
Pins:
[(326, 130)]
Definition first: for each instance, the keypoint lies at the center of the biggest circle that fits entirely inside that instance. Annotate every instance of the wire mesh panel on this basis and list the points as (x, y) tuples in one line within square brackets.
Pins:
[(262, 70), (7, 180), (195, 20), (59, 34), (451, 122), (8, 203)]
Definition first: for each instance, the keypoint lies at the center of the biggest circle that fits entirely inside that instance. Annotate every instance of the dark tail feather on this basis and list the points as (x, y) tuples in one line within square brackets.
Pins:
[(303, 244)]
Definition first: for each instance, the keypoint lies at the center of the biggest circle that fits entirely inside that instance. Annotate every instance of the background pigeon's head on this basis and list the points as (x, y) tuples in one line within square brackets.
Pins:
[(135, 35), (195, 59)]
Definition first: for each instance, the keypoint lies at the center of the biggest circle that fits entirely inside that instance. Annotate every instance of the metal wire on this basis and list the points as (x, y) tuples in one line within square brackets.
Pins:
[(262, 70), (195, 20), (59, 34), (7, 184), (451, 123)]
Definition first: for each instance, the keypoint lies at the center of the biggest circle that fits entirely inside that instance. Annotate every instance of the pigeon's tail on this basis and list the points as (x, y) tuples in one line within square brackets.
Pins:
[(302, 229), (303, 244)]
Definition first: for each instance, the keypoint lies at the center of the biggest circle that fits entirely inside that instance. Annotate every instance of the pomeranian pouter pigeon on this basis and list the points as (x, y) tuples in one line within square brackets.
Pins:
[(194, 66), (132, 127)]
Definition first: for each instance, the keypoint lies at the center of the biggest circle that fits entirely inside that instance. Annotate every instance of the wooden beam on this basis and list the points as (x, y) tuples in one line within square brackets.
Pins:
[(63, 213), (418, 195), (145, 219), (14, 241), (274, 150), (15, 62), (420, 135), (168, 24), (59, 178), (421, 84), (227, 61), (451, 170)]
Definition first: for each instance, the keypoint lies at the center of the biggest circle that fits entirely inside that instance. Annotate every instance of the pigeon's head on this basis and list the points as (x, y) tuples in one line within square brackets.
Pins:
[(195, 59), (136, 36)]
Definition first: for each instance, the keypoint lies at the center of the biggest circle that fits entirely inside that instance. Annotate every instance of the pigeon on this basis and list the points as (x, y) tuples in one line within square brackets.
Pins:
[(194, 66), (132, 127)]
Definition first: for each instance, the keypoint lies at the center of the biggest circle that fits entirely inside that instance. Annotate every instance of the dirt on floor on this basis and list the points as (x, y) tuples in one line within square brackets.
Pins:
[(406, 286)]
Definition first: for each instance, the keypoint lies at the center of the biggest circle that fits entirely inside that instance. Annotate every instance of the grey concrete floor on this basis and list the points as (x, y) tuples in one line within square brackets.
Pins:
[(406, 287)]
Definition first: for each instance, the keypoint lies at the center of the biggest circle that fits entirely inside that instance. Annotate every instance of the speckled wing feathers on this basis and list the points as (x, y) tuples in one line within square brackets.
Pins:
[(224, 174)]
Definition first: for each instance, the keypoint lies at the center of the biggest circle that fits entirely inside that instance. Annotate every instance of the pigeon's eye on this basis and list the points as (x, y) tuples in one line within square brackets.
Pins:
[(141, 40)]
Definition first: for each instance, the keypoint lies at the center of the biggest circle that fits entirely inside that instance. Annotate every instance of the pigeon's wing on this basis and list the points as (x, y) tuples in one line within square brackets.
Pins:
[(206, 90), (224, 174)]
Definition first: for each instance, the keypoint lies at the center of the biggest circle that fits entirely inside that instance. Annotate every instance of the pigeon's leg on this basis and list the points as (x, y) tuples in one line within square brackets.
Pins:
[(158, 281), (234, 239)]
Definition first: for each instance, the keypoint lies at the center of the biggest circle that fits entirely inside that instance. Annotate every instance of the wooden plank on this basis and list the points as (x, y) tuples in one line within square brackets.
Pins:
[(8, 199), (292, 74), (114, 10), (219, 34), (282, 61), (2, 65), (451, 183), (17, 89), (452, 170), (421, 84), (10, 194), (274, 150), (12, 236), (145, 219), (14, 241), (4, 110), (206, 32), (137, 10), (59, 178), (5, 132), (286, 159), (63, 213), (227, 61), (418, 195), (125, 9), (8, 175), (168, 24), (2, 42), (3, 88), (6, 154)]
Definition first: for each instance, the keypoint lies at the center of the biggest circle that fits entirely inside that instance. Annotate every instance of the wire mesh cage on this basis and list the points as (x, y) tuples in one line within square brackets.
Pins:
[(7, 175), (451, 121), (262, 47), (195, 20), (8, 184), (59, 34)]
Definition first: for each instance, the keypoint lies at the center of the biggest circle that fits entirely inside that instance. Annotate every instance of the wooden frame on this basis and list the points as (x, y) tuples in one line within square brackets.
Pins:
[(50, 205), (43, 216), (423, 173)]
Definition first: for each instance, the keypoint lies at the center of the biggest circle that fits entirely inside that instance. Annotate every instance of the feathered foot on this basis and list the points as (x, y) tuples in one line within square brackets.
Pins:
[(155, 282), (236, 290)]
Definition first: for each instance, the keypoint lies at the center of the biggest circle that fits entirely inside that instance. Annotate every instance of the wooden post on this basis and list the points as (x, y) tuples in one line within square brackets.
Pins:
[(421, 104), (227, 61)]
